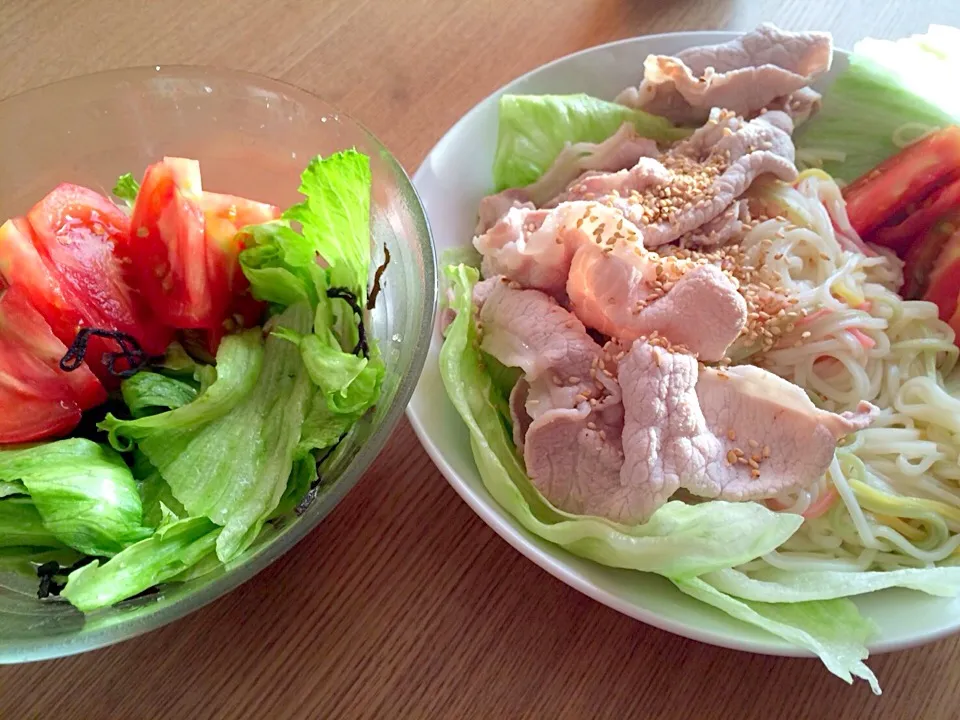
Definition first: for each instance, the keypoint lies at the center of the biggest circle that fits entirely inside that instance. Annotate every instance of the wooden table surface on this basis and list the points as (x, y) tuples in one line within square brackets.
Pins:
[(403, 603)]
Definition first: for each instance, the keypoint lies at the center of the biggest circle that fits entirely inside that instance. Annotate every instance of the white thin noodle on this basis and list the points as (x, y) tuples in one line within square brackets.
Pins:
[(862, 341)]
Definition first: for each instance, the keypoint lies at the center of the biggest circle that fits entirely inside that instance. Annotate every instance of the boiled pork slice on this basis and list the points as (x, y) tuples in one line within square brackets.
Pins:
[(528, 329), (745, 75), (737, 434), (696, 183), (620, 151), (625, 295)]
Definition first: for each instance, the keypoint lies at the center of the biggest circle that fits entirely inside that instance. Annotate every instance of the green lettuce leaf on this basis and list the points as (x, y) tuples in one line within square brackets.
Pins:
[(679, 540), (890, 85), (322, 427), (235, 468), (168, 552), (11, 488), (833, 630), (780, 586), (22, 526), (84, 492), (239, 359), (281, 265), (335, 217), (147, 393), (533, 130), (156, 497), (126, 189)]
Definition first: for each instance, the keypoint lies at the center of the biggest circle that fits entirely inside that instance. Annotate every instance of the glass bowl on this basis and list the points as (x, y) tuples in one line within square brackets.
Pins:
[(253, 136)]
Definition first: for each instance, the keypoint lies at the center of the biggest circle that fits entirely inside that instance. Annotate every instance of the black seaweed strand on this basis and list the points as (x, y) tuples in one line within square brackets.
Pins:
[(49, 571), (341, 293), (377, 279), (130, 351)]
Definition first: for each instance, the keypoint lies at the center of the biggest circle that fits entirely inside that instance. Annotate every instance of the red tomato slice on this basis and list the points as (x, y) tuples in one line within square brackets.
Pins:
[(166, 254), (224, 217), (919, 221), (63, 258), (902, 180), (39, 400), (945, 278), (920, 259)]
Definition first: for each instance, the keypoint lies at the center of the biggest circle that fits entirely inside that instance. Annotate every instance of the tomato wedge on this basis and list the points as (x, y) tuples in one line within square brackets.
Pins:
[(39, 400), (62, 256), (944, 283), (224, 217), (166, 254), (919, 221), (184, 249), (921, 258), (903, 180)]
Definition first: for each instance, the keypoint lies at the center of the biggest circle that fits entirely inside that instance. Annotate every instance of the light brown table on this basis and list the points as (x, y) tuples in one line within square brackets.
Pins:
[(403, 603)]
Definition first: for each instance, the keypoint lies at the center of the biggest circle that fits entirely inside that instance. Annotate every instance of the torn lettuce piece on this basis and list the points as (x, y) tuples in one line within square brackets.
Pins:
[(11, 488), (679, 540), (779, 586), (126, 188), (322, 427), (239, 359), (234, 469), (156, 497), (534, 129), (334, 217), (834, 630), (898, 85), (168, 552), (148, 393), (22, 526), (281, 265), (84, 492)]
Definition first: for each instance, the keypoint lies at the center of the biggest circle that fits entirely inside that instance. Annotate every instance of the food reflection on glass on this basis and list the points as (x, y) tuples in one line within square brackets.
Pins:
[(175, 367), (710, 332)]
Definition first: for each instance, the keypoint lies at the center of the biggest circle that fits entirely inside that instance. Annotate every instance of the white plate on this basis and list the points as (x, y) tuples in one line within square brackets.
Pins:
[(451, 181)]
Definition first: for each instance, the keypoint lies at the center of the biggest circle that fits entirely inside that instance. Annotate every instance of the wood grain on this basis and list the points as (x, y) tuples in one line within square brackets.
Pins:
[(403, 603)]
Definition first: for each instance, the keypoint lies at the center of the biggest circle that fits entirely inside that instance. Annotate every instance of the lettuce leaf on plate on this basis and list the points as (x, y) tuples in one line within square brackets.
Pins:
[(891, 87), (172, 549), (83, 491), (833, 630), (679, 540), (534, 129), (780, 586)]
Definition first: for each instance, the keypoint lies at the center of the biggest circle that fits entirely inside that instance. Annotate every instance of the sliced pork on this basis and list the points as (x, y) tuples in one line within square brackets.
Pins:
[(628, 295), (698, 180), (528, 329), (620, 151), (736, 434), (744, 75)]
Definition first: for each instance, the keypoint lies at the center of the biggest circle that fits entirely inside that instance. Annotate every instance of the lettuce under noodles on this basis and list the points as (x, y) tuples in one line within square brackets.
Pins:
[(892, 92), (679, 540), (534, 129), (84, 493)]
